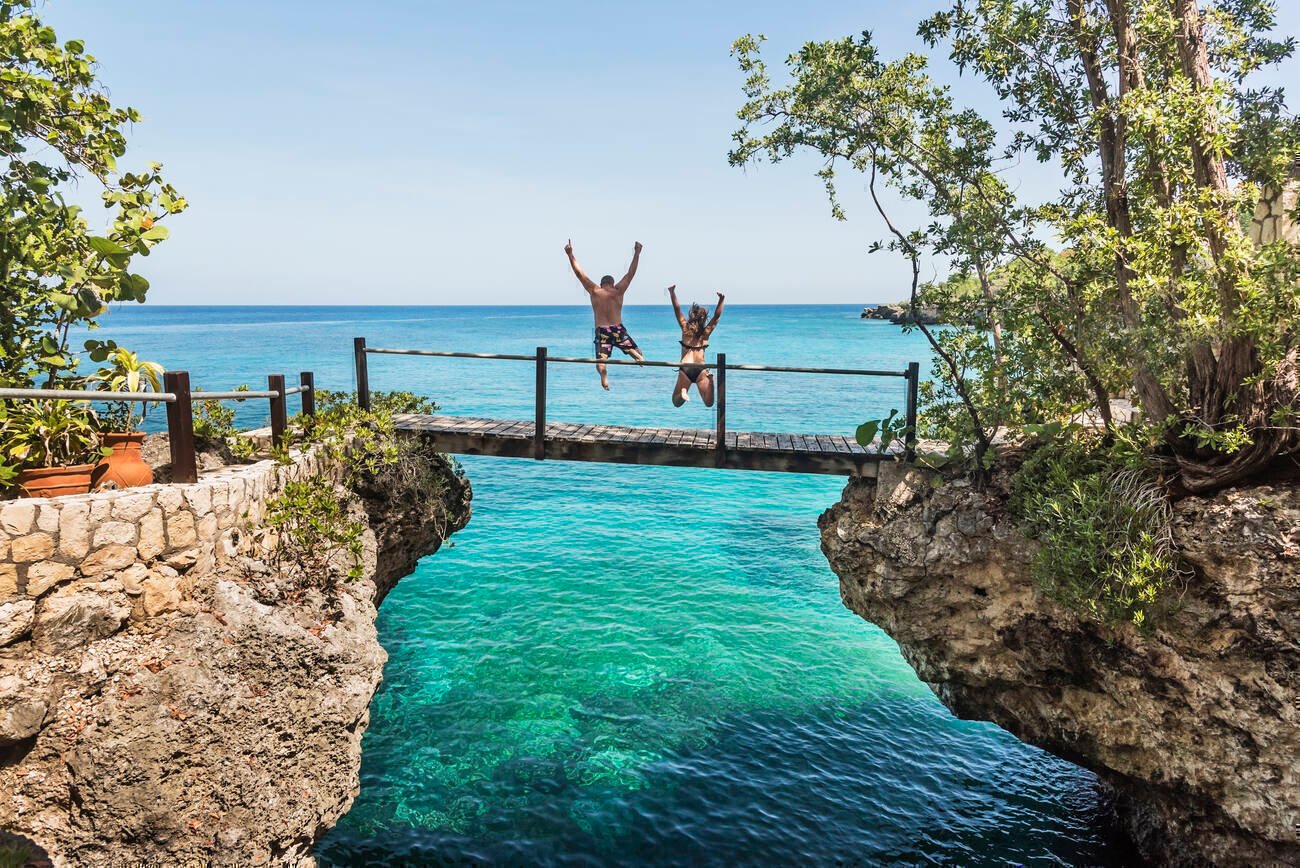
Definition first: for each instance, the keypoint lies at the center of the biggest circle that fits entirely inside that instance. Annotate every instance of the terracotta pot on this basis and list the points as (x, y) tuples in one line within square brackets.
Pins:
[(55, 481), (124, 468)]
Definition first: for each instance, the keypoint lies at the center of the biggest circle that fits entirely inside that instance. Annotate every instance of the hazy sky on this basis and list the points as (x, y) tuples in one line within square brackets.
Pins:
[(430, 152)]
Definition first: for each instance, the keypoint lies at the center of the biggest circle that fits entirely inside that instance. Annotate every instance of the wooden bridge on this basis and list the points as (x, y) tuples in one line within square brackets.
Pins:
[(738, 450)]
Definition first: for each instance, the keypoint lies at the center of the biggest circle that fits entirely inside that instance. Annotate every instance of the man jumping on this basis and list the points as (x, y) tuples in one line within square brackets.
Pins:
[(607, 306)]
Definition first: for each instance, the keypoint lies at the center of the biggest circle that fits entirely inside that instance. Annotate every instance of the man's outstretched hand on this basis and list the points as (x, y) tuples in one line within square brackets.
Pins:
[(637, 247), (721, 296), (568, 248)]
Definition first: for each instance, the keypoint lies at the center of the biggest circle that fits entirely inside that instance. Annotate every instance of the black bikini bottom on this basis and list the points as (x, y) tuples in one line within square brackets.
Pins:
[(693, 372)]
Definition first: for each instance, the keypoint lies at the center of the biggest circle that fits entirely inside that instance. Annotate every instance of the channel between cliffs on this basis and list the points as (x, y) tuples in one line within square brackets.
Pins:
[(167, 694), (1194, 725)]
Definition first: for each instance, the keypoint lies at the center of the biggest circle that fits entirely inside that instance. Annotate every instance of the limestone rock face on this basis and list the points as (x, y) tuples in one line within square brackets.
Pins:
[(1195, 727), (172, 698)]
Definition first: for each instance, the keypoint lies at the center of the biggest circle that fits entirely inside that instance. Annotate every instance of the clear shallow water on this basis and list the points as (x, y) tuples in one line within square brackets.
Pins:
[(630, 665)]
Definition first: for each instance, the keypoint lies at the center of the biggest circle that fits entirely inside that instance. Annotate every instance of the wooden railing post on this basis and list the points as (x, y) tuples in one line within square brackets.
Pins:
[(180, 426), (308, 394), (913, 383), (539, 423), (363, 374), (279, 410), (720, 456)]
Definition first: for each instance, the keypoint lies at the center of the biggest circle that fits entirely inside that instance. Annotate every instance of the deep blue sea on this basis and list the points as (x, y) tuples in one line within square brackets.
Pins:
[(640, 665)]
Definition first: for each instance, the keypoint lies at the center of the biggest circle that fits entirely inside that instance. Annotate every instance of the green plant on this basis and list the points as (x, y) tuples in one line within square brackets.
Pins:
[(126, 373), (888, 429), (14, 855), (58, 128), (314, 533), (1104, 530), (43, 434), (214, 427)]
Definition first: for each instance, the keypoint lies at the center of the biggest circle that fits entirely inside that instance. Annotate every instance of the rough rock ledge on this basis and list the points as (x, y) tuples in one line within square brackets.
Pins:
[(1195, 727), (166, 697)]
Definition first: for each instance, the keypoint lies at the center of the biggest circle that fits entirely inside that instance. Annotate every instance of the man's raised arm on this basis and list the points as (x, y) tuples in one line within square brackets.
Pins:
[(623, 284), (587, 283)]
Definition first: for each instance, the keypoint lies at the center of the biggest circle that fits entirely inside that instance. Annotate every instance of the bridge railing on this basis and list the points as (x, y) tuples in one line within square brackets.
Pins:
[(541, 359), (180, 398)]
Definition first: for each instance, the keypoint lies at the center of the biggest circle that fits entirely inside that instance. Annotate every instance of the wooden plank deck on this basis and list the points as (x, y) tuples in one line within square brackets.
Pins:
[(618, 444)]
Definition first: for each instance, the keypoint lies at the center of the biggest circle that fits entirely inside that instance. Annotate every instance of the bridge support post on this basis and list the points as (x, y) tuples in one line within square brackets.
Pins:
[(539, 416), (363, 374), (720, 453), (913, 383), (180, 426)]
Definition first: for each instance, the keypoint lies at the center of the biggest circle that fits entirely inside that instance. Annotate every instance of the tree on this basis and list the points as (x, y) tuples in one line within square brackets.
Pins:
[(1165, 154), (58, 126)]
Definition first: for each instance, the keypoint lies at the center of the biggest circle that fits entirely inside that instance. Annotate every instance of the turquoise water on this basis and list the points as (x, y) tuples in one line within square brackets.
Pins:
[(631, 665)]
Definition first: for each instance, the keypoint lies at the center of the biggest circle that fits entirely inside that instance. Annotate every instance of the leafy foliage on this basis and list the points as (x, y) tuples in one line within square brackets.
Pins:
[(314, 532), (126, 373), (40, 434), (214, 426), (57, 126), (1166, 153), (1104, 529), (888, 429)]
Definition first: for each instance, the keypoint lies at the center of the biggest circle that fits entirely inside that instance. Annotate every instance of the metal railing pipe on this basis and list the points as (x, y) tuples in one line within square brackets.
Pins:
[(86, 395), (233, 395)]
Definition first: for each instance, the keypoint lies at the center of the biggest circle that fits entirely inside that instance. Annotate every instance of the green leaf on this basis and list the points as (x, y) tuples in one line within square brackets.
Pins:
[(866, 433), (157, 233), (106, 246)]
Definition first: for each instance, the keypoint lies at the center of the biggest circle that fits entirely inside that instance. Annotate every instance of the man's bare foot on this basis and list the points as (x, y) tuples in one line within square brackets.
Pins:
[(685, 395), (604, 383)]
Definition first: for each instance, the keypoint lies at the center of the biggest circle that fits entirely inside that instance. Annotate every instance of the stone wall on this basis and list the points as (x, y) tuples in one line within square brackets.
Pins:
[(150, 540), (167, 695)]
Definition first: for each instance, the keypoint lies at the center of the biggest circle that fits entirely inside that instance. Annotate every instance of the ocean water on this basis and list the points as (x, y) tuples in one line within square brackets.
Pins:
[(640, 665)]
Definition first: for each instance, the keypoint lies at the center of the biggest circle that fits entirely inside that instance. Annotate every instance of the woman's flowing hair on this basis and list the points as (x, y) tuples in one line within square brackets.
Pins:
[(696, 320)]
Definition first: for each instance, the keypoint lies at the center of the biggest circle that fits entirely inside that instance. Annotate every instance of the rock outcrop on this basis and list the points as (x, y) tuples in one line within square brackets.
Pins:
[(900, 314), (1195, 726), (167, 694)]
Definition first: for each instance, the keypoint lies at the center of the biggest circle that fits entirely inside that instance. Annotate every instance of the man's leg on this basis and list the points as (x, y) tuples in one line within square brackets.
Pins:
[(628, 346), (604, 346)]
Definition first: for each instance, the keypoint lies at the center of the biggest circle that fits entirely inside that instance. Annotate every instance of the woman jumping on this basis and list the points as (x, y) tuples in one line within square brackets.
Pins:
[(695, 339)]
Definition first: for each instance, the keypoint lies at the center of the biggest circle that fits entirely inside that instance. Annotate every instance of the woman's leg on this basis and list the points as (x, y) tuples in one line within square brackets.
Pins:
[(705, 386), (680, 395)]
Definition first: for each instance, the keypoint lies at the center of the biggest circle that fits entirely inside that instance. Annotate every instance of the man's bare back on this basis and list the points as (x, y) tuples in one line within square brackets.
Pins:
[(607, 309)]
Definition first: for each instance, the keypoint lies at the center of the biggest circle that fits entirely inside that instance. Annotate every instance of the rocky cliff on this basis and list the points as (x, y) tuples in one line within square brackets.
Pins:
[(168, 695), (1195, 726)]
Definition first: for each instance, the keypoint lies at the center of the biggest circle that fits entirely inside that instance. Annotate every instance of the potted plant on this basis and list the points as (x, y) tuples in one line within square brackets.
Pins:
[(53, 444), (124, 467)]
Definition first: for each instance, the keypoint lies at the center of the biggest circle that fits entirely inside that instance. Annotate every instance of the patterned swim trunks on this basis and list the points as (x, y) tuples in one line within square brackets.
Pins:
[(608, 337)]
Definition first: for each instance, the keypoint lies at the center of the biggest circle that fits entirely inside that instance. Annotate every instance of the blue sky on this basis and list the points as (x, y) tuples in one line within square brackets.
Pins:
[(406, 152)]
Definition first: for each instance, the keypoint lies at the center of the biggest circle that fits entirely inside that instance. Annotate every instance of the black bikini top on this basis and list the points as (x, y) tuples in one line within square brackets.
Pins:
[(686, 346)]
